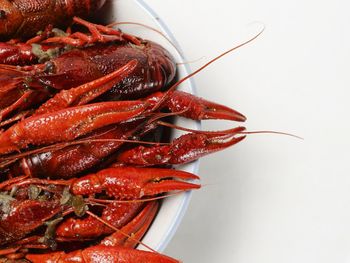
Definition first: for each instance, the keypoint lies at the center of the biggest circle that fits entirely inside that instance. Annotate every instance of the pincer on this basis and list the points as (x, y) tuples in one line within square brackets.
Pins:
[(186, 148), (193, 107), (128, 183)]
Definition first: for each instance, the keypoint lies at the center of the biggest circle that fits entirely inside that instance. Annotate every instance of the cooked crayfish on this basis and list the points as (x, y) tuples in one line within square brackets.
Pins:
[(24, 87), (34, 201), (23, 18), (74, 159), (72, 174)]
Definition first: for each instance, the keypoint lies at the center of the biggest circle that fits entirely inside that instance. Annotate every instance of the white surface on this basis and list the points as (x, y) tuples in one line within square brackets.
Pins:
[(271, 198)]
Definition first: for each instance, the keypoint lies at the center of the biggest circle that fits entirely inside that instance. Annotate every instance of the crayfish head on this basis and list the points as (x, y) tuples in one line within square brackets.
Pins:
[(10, 18), (162, 64)]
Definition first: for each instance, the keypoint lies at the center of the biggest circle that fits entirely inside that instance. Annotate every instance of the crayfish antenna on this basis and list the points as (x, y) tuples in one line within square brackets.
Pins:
[(148, 27), (272, 132), (174, 86), (12, 181)]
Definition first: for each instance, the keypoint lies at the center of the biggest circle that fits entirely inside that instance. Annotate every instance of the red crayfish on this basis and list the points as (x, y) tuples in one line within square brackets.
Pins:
[(81, 162), (23, 18)]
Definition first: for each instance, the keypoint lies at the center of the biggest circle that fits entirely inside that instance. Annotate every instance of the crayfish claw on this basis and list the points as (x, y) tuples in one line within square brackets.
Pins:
[(201, 109), (127, 183), (220, 142), (213, 110), (168, 186)]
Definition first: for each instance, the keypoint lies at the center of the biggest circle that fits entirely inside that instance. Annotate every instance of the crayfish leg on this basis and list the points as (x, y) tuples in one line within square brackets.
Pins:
[(190, 106)]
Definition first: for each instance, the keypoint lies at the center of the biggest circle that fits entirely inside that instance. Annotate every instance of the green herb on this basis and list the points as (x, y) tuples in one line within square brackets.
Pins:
[(76, 201), (49, 237), (33, 192), (5, 202), (66, 197), (13, 191), (58, 32), (44, 55), (79, 205)]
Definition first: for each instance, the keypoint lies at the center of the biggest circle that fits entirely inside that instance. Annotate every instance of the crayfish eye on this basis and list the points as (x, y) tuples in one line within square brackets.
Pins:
[(49, 67), (2, 14)]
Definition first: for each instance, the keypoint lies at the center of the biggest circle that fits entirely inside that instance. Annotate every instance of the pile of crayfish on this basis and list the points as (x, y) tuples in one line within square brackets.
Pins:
[(83, 166)]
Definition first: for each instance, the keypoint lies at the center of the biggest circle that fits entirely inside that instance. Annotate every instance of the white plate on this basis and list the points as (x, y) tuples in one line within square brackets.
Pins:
[(172, 209)]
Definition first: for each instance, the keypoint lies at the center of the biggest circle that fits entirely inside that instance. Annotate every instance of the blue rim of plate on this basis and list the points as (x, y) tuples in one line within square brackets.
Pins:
[(181, 210)]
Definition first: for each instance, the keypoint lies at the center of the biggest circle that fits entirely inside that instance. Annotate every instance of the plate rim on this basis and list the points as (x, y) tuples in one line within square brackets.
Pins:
[(182, 208)]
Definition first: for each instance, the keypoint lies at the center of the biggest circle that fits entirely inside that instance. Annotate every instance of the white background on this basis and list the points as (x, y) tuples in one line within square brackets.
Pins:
[(271, 198)]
